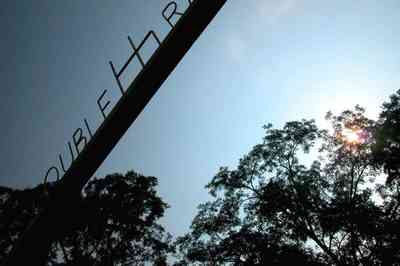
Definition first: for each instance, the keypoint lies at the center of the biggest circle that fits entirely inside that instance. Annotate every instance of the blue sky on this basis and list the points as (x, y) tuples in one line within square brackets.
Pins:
[(259, 61)]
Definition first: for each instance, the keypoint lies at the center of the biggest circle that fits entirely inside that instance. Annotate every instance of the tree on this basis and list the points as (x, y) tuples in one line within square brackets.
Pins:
[(116, 223), (274, 208), (387, 135)]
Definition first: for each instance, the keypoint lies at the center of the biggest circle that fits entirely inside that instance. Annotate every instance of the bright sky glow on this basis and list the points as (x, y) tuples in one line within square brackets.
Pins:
[(352, 136), (259, 61)]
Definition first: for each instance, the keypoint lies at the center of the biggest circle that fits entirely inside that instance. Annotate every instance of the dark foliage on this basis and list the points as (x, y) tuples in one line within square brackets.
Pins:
[(279, 208), (117, 223), (387, 135), (303, 196)]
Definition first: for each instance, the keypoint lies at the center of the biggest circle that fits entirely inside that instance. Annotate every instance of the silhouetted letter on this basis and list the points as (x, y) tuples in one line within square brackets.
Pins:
[(72, 157), (102, 107), (174, 12), (116, 76), (78, 139), (51, 169), (88, 128)]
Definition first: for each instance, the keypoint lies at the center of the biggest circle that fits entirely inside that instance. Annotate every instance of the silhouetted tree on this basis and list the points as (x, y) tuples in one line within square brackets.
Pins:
[(17, 209), (116, 223), (387, 146), (277, 209)]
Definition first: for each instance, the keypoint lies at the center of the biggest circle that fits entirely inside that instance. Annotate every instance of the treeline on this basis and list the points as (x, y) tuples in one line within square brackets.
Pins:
[(272, 209)]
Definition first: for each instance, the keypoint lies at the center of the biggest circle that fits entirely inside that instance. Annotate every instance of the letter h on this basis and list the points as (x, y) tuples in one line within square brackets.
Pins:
[(117, 74)]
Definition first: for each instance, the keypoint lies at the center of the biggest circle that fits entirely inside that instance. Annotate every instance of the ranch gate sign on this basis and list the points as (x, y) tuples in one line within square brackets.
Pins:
[(93, 148)]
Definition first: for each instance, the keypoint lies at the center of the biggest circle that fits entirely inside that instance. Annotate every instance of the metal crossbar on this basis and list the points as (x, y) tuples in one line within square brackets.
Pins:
[(54, 221)]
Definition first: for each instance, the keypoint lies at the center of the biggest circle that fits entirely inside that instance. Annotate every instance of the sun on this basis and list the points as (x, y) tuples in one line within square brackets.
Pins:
[(352, 136)]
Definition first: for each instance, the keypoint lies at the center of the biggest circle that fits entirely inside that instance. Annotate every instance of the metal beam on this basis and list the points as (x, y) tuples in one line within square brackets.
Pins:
[(33, 247)]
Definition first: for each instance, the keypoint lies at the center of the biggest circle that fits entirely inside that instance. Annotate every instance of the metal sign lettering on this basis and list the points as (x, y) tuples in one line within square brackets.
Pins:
[(33, 246), (82, 135)]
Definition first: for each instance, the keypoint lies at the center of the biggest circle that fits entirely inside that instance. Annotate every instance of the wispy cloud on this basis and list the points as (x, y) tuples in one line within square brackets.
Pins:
[(269, 12), (236, 47), (274, 10)]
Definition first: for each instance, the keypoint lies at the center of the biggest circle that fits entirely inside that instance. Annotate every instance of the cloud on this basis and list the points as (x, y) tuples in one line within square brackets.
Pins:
[(268, 13), (274, 10), (236, 47)]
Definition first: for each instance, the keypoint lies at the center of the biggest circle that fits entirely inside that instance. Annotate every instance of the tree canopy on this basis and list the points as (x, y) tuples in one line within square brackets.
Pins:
[(302, 196), (387, 135), (117, 223), (277, 207)]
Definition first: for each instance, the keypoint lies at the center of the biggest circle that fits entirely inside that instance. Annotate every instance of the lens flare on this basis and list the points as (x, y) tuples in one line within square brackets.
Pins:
[(352, 136)]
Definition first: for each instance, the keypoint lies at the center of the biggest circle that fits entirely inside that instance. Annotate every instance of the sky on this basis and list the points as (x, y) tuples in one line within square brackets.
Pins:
[(258, 62)]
